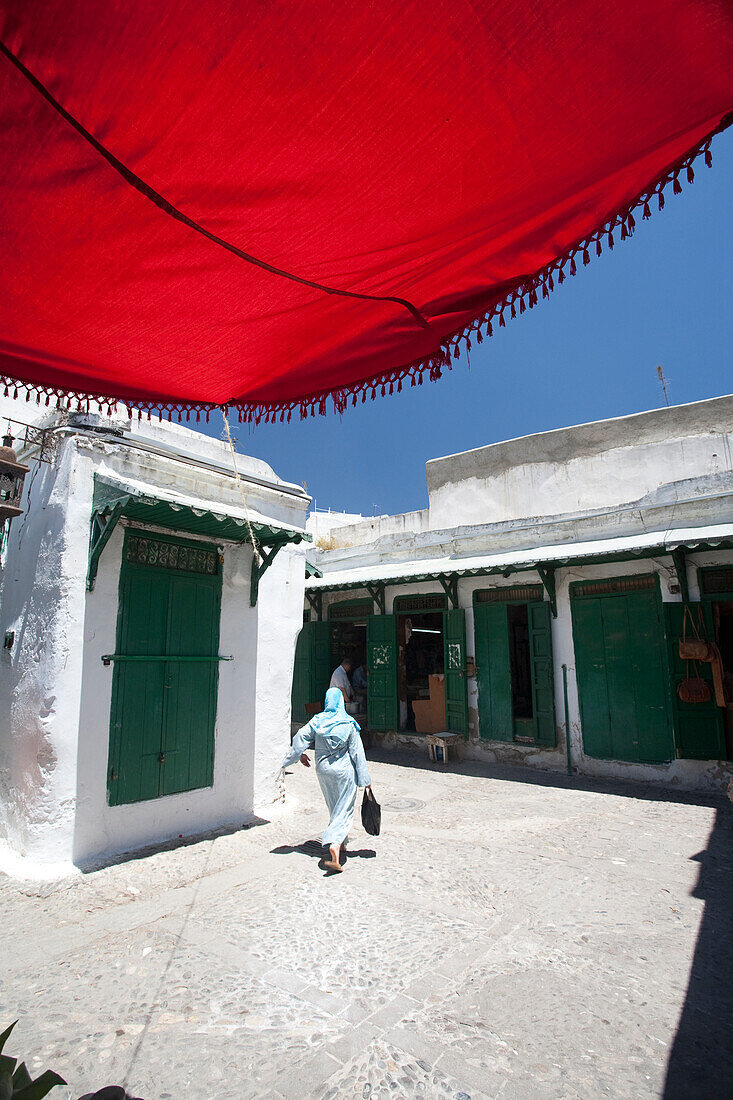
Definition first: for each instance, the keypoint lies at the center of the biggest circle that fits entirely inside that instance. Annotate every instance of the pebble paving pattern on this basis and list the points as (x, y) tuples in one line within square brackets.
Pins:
[(510, 934)]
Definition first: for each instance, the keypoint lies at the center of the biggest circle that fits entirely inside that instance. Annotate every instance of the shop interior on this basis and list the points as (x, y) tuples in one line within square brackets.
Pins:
[(348, 639), (420, 672), (520, 663)]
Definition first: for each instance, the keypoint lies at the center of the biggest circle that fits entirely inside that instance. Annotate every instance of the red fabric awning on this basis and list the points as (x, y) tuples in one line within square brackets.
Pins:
[(210, 203)]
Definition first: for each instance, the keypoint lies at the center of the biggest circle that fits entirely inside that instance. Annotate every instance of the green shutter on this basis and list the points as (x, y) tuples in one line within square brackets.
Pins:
[(301, 690), (321, 662), (496, 720), (456, 687), (163, 711), (543, 681), (621, 673), (382, 702), (698, 727)]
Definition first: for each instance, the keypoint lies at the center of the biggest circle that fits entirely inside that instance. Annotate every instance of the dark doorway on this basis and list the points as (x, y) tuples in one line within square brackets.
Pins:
[(420, 640)]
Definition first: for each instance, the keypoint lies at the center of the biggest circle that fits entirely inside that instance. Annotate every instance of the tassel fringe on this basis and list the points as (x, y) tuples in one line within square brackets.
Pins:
[(522, 297)]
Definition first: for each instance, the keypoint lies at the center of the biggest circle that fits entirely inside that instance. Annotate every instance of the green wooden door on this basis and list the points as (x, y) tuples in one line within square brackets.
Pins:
[(621, 672), (300, 694), (456, 686), (493, 671), (698, 727), (382, 701), (164, 705), (543, 681)]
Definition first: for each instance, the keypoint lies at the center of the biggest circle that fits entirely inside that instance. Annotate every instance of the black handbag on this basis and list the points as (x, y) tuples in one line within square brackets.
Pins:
[(371, 813)]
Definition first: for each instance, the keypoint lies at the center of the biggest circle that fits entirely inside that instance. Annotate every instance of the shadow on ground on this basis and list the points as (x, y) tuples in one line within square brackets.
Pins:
[(543, 778), (89, 866), (315, 850), (701, 1059)]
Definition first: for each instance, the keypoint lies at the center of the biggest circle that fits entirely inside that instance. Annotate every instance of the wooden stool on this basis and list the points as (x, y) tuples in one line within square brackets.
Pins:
[(442, 742)]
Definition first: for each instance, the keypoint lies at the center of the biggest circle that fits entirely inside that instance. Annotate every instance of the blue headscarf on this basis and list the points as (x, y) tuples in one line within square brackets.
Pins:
[(334, 723)]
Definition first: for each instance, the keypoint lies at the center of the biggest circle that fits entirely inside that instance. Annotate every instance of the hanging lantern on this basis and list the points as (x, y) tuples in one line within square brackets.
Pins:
[(12, 476)]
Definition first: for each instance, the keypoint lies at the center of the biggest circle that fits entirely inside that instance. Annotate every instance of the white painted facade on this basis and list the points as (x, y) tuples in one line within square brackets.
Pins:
[(55, 692), (641, 484)]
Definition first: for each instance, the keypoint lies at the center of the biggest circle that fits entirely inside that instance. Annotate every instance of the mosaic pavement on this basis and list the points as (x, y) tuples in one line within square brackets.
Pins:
[(509, 935)]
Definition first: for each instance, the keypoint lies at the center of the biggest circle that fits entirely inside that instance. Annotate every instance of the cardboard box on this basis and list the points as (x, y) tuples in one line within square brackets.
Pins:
[(430, 713)]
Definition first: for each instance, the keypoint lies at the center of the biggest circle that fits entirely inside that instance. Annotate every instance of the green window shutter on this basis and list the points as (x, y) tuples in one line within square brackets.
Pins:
[(321, 662), (382, 702), (301, 691), (496, 720), (137, 689), (163, 711), (456, 686), (590, 671), (622, 680), (698, 727), (543, 681), (189, 704)]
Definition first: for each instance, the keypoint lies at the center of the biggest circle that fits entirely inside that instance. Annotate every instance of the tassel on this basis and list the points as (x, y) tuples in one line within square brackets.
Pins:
[(647, 212), (383, 389), (610, 239), (545, 291), (489, 329), (677, 187), (290, 413), (502, 322), (468, 343), (624, 233), (586, 257), (419, 378), (573, 268), (412, 380), (399, 385), (561, 276), (522, 306), (708, 158), (550, 281), (631, 223), (690, 174), (479, 337)]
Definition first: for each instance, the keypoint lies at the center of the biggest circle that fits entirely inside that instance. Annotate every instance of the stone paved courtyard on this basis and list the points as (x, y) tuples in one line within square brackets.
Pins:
[(509, 935)]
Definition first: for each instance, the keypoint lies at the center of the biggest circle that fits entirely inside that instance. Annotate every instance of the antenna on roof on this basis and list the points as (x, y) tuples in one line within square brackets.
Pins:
[(663, 381)]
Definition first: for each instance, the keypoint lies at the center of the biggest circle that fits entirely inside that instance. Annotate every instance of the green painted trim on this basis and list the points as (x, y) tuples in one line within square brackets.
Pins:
[(679, 558), (575, 585), (102, 527), (547, 576)]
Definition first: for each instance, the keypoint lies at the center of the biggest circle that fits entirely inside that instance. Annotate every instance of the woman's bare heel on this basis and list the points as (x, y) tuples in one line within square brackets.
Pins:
[(333, 863)]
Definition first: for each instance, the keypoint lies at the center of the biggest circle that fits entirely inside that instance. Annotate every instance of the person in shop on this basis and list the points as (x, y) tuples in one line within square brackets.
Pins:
[(360, 684), (340, 679), (341, 768)]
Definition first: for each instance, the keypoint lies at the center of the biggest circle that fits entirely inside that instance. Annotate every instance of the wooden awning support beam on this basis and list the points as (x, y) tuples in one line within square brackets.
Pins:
[(547, 576), (449, 585), (315, 599), (259, 568), (679, 558), (102, 528), (376, 591)]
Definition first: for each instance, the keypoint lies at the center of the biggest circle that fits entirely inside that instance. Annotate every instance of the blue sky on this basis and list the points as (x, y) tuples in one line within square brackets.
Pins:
[(589, 351)]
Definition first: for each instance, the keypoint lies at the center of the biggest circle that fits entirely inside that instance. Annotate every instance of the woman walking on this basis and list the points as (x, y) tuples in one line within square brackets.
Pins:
[(341, 768)]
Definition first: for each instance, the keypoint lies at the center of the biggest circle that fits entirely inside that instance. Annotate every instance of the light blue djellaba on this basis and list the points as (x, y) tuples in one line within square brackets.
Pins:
[(341, 765)]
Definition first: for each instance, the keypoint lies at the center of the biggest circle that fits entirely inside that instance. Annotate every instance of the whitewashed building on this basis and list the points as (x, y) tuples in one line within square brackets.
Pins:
[(536, 606), (147, 654)]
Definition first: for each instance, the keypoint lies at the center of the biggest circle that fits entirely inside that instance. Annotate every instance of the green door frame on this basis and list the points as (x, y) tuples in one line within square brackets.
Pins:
[(497, 707), (164, 683)]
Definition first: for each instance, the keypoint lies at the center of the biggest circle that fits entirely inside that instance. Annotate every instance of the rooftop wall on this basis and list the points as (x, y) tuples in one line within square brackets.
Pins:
[(590, 466)]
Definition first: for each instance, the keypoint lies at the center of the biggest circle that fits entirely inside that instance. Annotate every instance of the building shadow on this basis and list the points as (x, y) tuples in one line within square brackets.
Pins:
[(539, 777), (701, 1060), (134, 855)]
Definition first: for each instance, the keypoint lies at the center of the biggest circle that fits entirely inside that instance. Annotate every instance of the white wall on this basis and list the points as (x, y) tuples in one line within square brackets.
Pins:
[(55, 693), (588, 467)]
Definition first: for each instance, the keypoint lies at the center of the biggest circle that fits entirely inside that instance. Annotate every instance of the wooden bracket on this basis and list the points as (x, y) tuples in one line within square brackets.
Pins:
[(547, 576), (102, 527), (315, 599), (259, 568), (450, 587), (679, 558), (376, 591)]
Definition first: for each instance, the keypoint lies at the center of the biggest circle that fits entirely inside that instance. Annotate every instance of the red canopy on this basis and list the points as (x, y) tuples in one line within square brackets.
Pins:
[(207, 202)]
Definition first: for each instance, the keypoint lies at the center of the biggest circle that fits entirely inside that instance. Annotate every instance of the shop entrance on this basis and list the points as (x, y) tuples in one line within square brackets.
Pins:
[(348, 628), (421, 663)]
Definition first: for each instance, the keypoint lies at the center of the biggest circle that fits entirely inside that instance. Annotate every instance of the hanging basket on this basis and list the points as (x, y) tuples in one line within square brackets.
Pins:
[(693, 689)]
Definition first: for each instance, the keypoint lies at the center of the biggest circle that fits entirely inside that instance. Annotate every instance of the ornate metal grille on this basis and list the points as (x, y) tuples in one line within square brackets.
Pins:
[(621, 584), (714, 581), (405, 604), (169, 555), (526, 593)]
